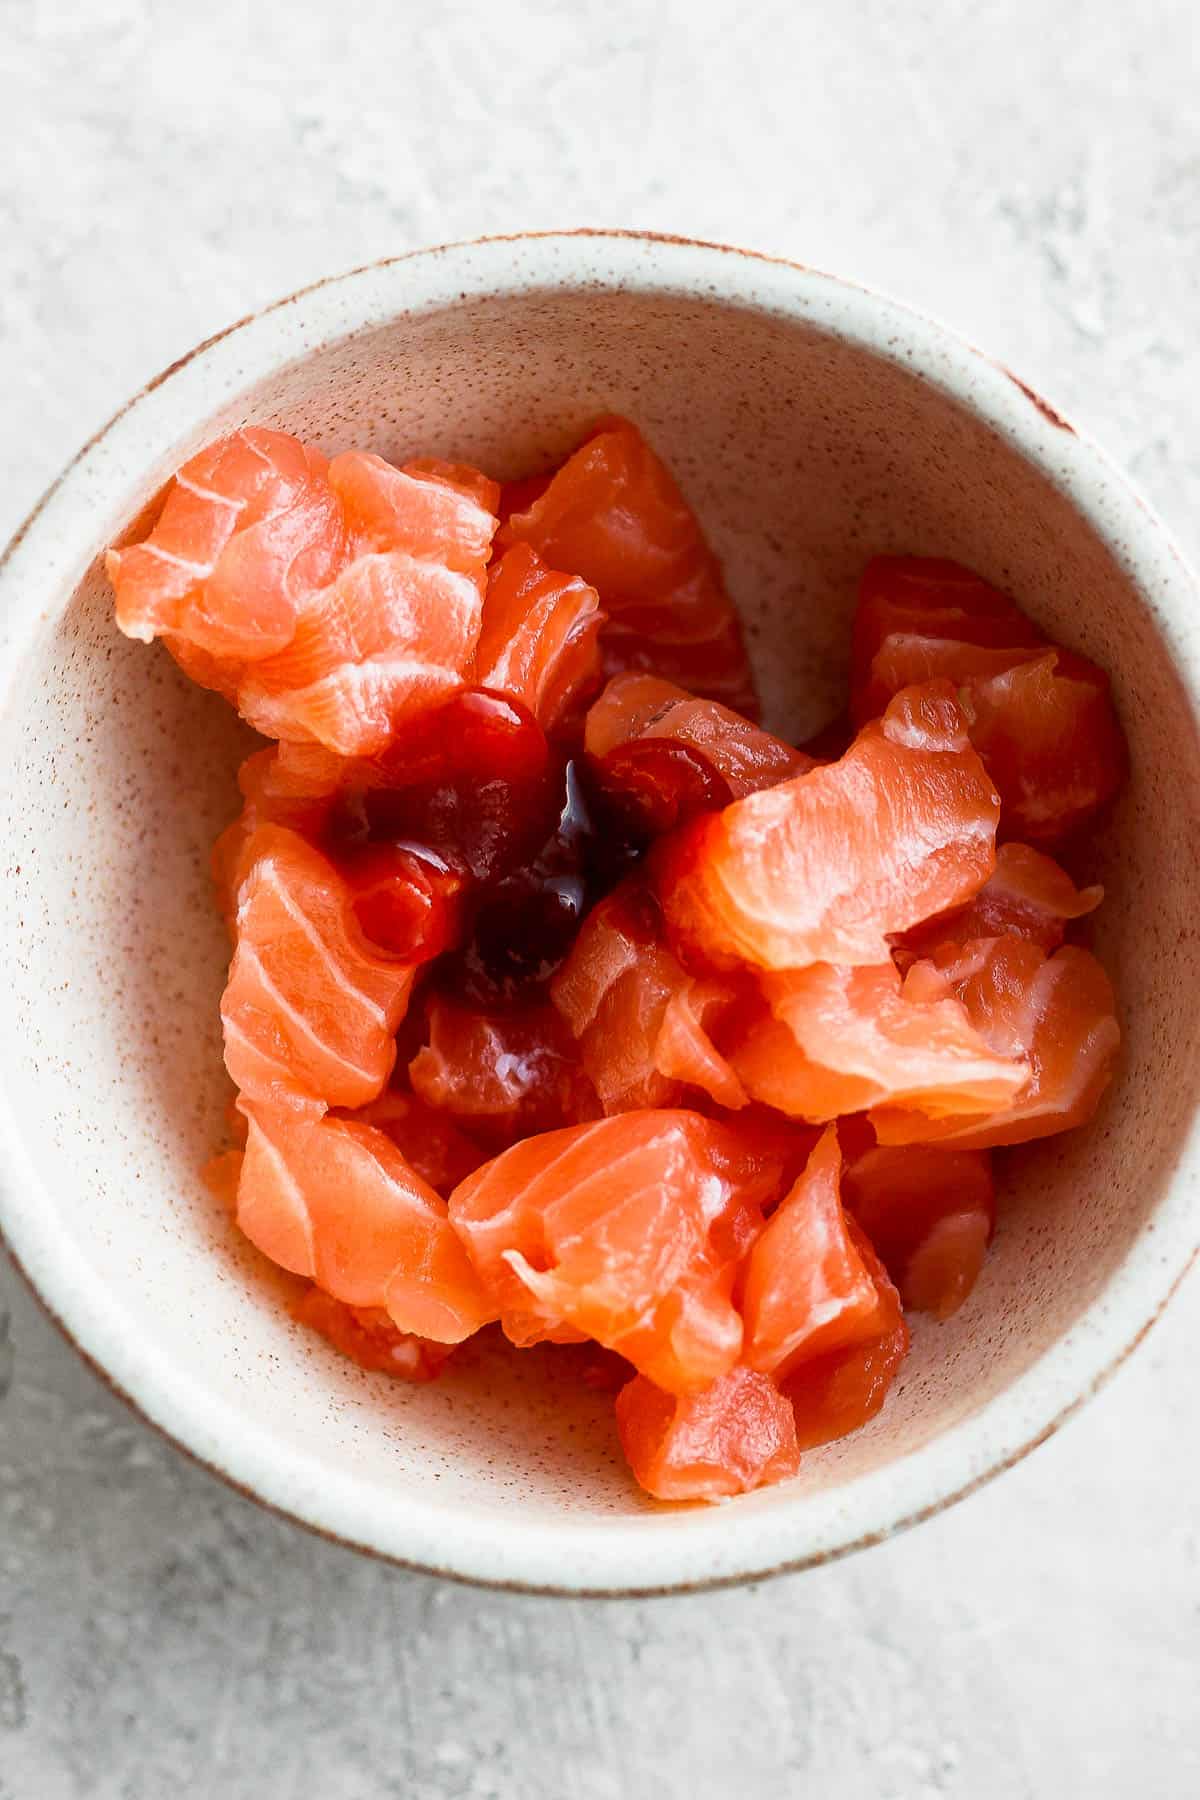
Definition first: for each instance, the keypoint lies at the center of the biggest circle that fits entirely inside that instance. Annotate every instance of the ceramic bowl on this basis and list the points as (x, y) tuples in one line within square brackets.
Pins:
[(811, 424)]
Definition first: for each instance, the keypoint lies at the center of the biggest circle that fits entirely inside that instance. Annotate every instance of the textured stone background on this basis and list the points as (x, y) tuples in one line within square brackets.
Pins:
[(1030, 172)]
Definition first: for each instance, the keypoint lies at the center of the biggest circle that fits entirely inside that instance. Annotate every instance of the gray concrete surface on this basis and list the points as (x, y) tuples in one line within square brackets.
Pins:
[(1029, 171)]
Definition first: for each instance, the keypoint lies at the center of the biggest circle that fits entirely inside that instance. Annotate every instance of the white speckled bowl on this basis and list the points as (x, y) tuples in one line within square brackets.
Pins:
[(811, 423)]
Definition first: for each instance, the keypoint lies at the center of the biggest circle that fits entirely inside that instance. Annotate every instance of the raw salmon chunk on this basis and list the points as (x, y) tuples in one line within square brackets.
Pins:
[(222, 1173), (248, 528), (919, 618), (368, 1337), (659, 755), (540, 637), (842, 1390), (310, 1010), (388, 638), (1057, 1012), (334, 1200), (331, 601), (839, 1040), (1041, 717), (826, 866), (1049, 737), (733, 1436), (930, 1214), (441, 512), (397, 629), (640, 1018), (806, 1288), (905, 660), (684, 1049), (614, 515), (629, 1231)]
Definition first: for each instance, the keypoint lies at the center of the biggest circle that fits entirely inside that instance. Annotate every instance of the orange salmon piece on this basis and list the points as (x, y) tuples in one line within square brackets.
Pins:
[(463, 477), (825, 867), (335, 1201), (539, 640), (946, 1264), (390, 637), (842, 1390), (629, 1231), (1041, 717), (736, 1435), (840, 1040), (921, 617), (1049, 737), (292, 784), (1057, 1012), (330, 601), (907, 659), (614, 515), (806, 1288), (930, 1213), (310, 1010), (441, 513), (249, 526)]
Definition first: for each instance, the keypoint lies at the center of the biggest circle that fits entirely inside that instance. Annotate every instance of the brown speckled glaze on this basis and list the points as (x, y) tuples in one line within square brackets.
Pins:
[(811, 425)]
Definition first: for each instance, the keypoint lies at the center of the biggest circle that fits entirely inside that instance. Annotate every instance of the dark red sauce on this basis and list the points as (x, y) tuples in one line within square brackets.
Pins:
[(485, 852)]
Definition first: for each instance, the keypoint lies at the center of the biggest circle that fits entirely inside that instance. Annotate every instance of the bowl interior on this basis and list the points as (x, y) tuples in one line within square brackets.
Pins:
[(802, 454)]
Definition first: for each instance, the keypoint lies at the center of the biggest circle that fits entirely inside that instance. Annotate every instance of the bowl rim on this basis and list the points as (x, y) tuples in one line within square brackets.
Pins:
[(660, 1551)]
